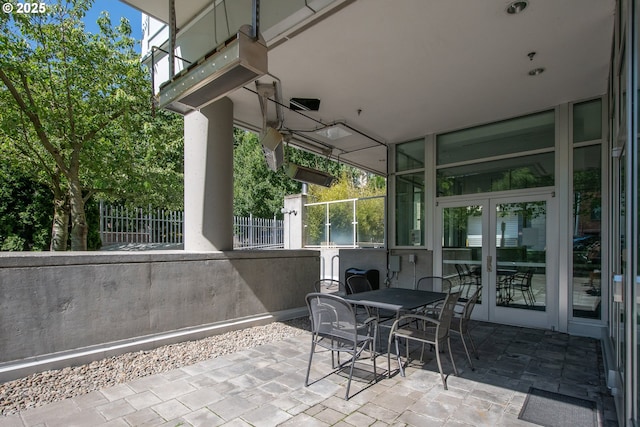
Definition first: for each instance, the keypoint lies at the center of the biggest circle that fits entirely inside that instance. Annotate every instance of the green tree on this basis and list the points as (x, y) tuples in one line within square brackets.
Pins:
[(69, 101), (260, 191), (25, 211)]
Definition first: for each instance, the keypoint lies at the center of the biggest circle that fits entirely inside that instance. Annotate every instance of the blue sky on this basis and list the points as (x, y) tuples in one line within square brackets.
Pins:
[(116, 10)]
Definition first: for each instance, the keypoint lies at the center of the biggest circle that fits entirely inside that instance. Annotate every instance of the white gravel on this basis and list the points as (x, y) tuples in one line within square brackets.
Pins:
[(51, 386)]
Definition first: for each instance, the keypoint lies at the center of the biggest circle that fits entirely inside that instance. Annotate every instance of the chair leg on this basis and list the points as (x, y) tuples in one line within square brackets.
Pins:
[(531, 295), (473, 345), (399, 358), (444, 379), (372, 349), (389, 353), (313, 348), (466, 350), (353, 362), (455, 370)]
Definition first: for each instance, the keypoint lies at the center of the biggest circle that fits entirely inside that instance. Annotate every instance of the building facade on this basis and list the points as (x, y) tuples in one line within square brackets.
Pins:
[(536, 201)]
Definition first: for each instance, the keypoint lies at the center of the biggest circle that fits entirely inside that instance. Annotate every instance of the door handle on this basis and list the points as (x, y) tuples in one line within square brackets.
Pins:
[(618, 295), (489, 263)]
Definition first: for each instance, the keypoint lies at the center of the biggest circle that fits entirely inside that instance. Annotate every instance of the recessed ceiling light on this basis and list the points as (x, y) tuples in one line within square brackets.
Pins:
[(536, 71), (516, 7)]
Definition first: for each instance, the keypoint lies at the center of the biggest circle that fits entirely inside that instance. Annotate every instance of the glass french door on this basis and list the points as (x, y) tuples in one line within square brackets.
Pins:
[(501, 245)]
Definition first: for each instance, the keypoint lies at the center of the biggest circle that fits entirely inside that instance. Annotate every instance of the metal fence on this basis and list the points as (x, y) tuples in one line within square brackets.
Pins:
[(257, 233), (121, 225)]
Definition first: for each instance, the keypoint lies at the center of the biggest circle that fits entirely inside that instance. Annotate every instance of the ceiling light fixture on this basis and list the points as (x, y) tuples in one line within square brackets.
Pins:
[(516, 7), (334, 132), (536, 71)]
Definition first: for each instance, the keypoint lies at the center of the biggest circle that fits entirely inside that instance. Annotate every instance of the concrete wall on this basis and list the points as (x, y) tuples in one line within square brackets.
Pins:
[(53, 304), (409, 273)]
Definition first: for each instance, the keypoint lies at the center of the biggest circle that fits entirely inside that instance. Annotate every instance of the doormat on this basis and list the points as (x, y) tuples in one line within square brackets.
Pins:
[(551, 409)]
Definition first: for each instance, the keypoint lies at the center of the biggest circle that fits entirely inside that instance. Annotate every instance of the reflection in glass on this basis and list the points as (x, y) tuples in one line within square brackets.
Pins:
[(521, 251), (508, 174), (587, 121), (587, 231), (533, 132), (409, 209), (462, 248), (410, 155)]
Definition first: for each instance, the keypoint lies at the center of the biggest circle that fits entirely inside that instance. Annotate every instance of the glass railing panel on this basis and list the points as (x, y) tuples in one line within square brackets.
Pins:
[(315, 225), (371, 219), (341, 218)]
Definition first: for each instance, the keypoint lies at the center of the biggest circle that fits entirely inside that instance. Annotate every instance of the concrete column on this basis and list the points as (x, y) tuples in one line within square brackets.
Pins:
[(208, 178), (294, 221)]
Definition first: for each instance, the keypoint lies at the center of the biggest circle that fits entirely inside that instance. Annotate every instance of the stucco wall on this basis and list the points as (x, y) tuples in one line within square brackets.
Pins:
[(52, 303)]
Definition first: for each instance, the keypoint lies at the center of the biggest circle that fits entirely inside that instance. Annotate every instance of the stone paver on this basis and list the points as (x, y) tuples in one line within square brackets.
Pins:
[(265, 387)]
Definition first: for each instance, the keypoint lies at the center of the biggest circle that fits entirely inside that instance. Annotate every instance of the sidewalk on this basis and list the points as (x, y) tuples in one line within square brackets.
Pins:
[(264, 386)]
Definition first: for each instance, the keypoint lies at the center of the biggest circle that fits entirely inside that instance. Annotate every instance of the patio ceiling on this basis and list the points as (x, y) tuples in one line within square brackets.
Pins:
[(396, 71)]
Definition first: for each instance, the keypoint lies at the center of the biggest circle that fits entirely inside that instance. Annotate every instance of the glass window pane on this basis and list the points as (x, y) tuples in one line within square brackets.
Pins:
[(410, 155), (409, 209), (509, 174), (587, 121), (462, 248), (587, 231), (521, 255), (536, 131)]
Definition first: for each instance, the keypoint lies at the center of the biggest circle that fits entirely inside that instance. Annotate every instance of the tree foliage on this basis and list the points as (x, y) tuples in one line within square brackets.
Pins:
[(259, 191), (75, 114), (25, 211)]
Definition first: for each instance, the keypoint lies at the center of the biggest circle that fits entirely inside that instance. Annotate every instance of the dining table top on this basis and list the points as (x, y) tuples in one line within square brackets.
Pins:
[(396, 298)]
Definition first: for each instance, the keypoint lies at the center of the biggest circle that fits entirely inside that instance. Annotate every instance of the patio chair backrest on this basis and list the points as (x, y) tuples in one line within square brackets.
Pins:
[(331, 316), (358, 283), (465, 316), (446, 314), (432, 283), (524, 279), (328, 285)]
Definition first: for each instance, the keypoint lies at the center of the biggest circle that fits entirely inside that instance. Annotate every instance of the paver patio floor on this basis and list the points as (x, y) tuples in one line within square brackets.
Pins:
[(264, 386)]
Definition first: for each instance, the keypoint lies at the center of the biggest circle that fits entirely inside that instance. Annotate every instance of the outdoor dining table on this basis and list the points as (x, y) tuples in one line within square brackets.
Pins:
[(396, 299)]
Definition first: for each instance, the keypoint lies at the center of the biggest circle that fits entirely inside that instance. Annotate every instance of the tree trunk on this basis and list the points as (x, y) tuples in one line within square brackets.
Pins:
[(60, 227), (79, 227)]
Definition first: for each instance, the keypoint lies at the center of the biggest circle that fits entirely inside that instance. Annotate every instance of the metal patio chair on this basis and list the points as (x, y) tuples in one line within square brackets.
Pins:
[(358, 283), (331, 286), (426, 331), (460, 323), (334, 328), (522, 282), (431, 283)]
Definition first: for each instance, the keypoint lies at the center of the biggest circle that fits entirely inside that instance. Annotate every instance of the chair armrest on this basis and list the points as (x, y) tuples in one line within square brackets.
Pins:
[(369, 320), (411, 317)]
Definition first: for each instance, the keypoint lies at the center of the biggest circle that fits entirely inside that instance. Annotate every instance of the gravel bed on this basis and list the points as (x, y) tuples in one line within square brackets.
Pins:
[(51, 386)]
